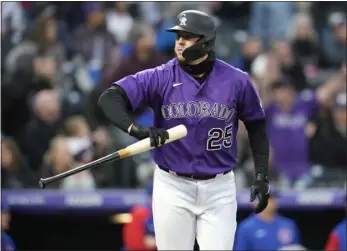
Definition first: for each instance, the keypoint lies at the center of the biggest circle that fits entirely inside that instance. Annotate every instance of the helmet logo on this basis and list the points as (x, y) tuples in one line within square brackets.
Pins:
[(183, 19)]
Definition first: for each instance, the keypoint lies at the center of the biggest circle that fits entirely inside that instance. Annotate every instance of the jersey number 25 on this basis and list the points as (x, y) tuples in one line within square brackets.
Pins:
[(219, 137)]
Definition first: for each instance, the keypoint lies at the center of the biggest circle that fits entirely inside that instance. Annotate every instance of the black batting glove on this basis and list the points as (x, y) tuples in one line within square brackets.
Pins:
[(158, 136), (261, 190)]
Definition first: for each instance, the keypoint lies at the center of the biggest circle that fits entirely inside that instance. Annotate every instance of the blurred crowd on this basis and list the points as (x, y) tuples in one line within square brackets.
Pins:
[(57, 58)]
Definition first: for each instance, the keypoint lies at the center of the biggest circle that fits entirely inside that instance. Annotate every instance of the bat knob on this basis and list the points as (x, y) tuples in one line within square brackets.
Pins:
[(42, 184)]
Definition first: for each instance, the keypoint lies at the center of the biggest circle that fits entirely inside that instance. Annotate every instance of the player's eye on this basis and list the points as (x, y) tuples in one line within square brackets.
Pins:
[(186, 36)]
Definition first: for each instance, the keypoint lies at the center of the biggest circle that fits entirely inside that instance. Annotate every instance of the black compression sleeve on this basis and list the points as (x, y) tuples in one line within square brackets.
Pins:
[(116, 106), (259, 144)]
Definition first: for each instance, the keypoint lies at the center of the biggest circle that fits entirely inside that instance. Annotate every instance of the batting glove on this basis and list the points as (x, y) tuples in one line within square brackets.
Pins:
[(260, 189), (158, 136)]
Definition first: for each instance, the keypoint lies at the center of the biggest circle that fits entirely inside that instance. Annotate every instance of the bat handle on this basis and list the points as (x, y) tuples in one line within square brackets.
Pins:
[(45, 181)]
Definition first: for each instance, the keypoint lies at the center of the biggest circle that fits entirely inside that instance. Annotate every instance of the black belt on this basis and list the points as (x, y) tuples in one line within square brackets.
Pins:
[(191, 176)]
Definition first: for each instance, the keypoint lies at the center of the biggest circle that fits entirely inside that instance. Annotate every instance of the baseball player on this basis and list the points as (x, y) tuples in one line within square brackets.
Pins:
[(194, 193)]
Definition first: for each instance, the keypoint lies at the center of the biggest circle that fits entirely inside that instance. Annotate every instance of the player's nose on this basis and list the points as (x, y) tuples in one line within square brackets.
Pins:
[(180, 41)]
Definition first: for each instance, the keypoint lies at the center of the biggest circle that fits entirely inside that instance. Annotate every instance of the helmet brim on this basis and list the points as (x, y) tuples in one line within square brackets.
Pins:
[(178, 28)]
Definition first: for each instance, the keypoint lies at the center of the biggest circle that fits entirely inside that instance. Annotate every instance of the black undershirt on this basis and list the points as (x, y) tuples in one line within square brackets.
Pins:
[(116, 106)]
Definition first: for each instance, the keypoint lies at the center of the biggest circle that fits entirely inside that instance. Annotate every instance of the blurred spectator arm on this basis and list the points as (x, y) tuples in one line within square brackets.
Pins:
[(331, 87)]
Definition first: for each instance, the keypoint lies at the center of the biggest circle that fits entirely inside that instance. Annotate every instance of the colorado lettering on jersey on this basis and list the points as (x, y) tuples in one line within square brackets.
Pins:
[(197, 109)]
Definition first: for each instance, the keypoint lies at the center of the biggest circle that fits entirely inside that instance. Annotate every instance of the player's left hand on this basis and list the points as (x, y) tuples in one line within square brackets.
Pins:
[(261, 190)]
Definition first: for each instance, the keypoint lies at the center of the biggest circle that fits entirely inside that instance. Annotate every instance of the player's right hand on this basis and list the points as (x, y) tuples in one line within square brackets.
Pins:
[(158, 136)]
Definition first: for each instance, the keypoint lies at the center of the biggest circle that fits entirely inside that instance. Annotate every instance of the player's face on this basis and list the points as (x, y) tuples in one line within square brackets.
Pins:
[(183, 41)]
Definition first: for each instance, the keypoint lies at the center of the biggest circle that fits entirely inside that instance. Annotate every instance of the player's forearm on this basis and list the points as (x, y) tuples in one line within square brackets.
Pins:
[(259, 145), (116, 107)]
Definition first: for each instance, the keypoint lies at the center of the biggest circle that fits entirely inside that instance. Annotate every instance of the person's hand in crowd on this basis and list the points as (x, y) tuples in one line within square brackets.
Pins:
[(45, 67), (310, 129)]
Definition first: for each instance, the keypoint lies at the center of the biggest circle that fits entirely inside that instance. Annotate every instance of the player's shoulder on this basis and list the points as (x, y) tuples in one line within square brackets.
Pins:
[(168, 66), (341, 225), (161, 70), (285, 220), (249, 222), (233, 71)]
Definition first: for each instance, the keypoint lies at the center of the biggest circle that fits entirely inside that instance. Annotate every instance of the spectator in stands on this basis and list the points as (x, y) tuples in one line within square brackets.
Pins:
[(267, 230), (328, 143), (303, 40), (288, 115), (59, 159), (86, 146), (30, 74), (270, 20), (142, 54), (13, 21), (78, 139), (249, 51), (334, 42), (7, 243), (15, 173), (290, 66), (139, 233), (119, 22), (44, 36), (94, 42), (338, 237), (45, 125)]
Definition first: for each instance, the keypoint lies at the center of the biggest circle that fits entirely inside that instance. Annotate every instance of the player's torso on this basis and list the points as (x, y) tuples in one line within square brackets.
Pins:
[(209, 111)]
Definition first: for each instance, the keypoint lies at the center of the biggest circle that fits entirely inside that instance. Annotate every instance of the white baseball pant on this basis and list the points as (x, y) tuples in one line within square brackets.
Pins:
[(184, 208)]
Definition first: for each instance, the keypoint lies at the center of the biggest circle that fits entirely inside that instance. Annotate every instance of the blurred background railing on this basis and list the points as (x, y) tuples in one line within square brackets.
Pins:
[(57, 58)]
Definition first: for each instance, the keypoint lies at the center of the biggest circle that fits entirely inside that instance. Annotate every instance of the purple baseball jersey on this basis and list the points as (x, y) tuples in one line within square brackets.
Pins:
[(210, 111), (287, 134)]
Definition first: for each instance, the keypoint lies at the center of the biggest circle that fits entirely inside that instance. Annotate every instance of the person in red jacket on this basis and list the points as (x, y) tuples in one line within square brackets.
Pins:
[(338, 237), (137, 234)]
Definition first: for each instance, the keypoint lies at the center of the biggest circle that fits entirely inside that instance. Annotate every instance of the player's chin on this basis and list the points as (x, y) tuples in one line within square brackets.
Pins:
[(180, 58)]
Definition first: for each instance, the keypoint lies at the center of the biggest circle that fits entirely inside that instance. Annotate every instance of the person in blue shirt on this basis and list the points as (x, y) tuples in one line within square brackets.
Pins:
[(267, 230), (7, 243)]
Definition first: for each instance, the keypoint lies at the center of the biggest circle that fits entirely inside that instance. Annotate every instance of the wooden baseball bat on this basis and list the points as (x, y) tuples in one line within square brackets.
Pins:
[(144, 145)]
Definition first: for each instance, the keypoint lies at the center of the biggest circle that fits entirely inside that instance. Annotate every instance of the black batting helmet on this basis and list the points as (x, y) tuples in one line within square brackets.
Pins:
[(198, 23)]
